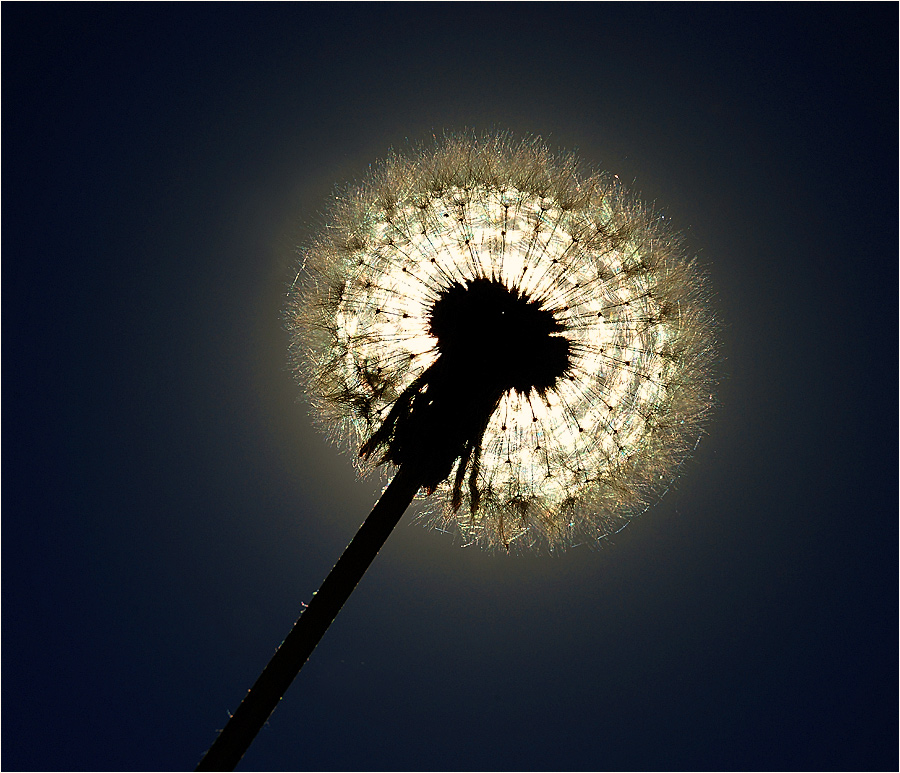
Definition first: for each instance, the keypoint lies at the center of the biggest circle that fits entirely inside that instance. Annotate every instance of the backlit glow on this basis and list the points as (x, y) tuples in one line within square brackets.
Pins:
[(579, 460)]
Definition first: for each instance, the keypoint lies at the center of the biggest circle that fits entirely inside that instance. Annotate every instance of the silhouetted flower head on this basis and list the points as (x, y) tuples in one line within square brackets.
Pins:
[(527, 335)]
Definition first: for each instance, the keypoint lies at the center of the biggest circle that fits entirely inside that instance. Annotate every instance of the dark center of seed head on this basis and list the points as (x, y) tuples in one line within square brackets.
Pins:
[(499, 337), (490, 339)]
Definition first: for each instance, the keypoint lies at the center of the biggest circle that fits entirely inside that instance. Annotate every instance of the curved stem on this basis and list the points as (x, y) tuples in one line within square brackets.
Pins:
[(270, 687)]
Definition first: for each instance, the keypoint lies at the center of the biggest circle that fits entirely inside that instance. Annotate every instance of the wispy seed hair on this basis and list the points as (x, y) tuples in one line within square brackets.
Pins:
[(574, 465)]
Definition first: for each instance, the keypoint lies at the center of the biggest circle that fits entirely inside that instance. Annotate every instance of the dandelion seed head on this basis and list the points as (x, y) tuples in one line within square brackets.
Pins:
[(534, 321)]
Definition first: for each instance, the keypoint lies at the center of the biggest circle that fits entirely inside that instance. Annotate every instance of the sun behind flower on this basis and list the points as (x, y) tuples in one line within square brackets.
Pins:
[(530, 337)]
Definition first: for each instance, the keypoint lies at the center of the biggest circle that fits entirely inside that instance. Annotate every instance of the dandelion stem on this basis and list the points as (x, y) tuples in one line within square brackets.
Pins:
[(270, 687)]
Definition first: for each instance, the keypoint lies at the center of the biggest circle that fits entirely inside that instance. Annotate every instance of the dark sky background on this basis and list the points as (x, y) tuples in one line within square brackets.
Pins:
[(167, 505)]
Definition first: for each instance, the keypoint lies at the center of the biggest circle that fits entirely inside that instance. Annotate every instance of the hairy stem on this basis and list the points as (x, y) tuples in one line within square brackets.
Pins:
[(270, 687)]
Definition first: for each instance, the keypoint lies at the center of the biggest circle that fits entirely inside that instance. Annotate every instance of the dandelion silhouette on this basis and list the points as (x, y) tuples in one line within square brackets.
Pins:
[(524, 342)]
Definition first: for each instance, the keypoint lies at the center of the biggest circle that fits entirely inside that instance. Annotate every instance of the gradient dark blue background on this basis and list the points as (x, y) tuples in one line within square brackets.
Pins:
[(167, 507)]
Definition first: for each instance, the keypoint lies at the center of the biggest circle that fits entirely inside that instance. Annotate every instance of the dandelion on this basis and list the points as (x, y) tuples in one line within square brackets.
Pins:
[(523, 341), (533, 339)]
